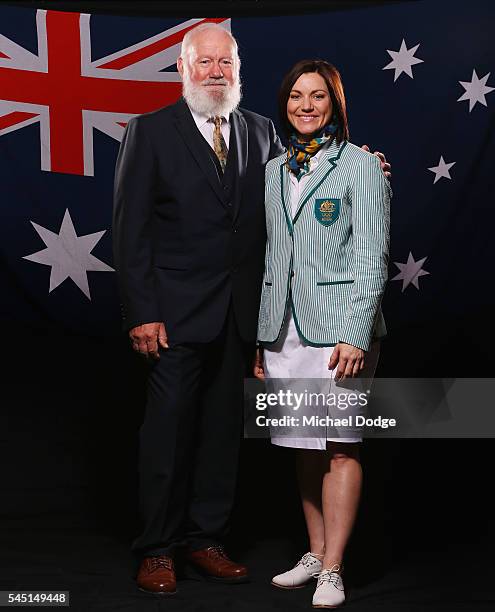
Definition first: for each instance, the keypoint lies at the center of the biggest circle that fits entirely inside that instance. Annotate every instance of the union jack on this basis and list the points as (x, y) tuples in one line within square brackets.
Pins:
[(70, 94)]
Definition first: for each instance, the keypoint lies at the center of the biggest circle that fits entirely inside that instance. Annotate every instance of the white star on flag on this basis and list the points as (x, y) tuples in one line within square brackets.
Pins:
[(442, 170), (410, 271), (403, 60), (68, 254), (476, 89)]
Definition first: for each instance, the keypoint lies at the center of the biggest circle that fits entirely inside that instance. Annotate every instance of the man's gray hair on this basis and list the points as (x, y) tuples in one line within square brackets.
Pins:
[(187, 41)]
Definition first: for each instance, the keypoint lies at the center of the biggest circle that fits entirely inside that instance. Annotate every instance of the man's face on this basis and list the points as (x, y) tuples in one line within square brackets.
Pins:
[(211, 63), (210, 77)]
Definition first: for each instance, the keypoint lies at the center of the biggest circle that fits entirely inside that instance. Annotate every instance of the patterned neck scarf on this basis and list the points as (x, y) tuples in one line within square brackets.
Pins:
[(299, 153)]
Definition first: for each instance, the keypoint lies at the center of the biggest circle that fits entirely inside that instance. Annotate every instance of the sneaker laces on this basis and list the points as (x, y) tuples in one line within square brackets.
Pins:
[(160, 562), (307, 561), (332, 576)]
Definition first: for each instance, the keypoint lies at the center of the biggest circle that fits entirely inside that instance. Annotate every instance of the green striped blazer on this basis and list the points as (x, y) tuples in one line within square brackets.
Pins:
[(330, 261)]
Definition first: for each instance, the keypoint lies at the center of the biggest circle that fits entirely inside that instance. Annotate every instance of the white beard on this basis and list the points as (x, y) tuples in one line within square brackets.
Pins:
[(211, 104)]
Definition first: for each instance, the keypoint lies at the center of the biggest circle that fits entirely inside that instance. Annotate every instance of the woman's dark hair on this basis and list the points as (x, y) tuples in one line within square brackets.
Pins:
[(334, 83)]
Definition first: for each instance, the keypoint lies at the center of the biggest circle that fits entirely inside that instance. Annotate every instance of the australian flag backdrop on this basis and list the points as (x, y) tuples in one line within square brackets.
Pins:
[(419, 79)]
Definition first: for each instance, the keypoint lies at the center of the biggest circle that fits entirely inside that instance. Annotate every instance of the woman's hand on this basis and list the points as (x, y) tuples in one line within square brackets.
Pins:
[(258, 369), (350, 361)]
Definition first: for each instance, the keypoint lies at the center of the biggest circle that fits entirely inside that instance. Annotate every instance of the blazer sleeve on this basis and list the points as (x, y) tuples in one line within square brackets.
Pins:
[(370, 200), (132, 220)]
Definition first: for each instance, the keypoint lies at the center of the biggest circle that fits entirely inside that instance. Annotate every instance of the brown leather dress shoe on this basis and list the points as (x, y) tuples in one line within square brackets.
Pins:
[(214, 564), (157, 575)]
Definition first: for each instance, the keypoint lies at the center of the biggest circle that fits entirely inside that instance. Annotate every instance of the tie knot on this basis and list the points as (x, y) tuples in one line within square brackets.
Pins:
[(217, 121)]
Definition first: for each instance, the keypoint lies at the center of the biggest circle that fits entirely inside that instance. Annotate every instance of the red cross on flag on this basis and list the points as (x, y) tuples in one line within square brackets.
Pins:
[(69, 94)]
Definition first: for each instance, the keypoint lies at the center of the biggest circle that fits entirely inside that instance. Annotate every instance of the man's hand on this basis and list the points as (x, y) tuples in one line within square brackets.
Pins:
[(385, 165), (258, 369), (350, 360), (146, 338)]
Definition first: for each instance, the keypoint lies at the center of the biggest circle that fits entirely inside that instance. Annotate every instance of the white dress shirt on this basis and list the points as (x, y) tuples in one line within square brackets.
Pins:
[(206, 127)]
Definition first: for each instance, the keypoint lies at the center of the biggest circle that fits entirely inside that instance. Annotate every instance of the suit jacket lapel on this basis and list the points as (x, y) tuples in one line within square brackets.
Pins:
[(195, 142), (239, 139)]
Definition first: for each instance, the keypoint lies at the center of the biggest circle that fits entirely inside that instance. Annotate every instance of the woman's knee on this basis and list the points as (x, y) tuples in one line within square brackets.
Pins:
[(341, 452)]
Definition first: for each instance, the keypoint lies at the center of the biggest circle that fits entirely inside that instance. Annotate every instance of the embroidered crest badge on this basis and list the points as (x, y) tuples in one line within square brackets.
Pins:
[(327, 210)]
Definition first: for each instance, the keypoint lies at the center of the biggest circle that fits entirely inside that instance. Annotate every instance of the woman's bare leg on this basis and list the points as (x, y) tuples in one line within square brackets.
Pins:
[(310, 465), (340, 498)]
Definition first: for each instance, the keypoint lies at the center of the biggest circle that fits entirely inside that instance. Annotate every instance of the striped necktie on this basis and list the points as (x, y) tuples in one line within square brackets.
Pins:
[(219, 145)]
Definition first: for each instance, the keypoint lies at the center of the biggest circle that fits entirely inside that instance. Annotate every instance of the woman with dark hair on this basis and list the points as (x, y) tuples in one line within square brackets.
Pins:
[(327, 213)]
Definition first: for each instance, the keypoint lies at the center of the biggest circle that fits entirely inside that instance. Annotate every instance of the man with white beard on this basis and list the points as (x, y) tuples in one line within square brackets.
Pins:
[(189, 244)]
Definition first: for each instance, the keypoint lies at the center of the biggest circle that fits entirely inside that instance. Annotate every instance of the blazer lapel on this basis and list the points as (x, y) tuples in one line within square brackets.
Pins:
[(196, 144), (284, 191), (328, 162), (239, 132)]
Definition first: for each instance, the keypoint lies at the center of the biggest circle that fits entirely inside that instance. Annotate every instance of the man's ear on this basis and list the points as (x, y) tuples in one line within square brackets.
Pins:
[(180, 66)]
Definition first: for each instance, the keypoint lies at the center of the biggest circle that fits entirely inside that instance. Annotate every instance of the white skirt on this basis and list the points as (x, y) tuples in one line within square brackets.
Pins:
[(292, 358)]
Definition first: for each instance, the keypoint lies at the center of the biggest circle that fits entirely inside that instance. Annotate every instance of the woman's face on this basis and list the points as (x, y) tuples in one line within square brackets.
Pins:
[(309, 107)]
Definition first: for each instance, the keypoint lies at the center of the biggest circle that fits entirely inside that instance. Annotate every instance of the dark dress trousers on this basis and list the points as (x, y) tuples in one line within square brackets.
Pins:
[(189, 245)]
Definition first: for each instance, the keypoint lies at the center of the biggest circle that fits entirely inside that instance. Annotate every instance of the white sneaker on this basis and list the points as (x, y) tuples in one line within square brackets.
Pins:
[(307, 568), (330, 589)]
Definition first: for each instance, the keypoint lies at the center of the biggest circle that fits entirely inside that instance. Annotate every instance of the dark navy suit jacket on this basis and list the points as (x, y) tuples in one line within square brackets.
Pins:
[(187, 242)]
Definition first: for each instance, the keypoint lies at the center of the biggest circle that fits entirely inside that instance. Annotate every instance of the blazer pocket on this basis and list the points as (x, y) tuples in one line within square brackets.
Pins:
[(342, 282), (171, 261)]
